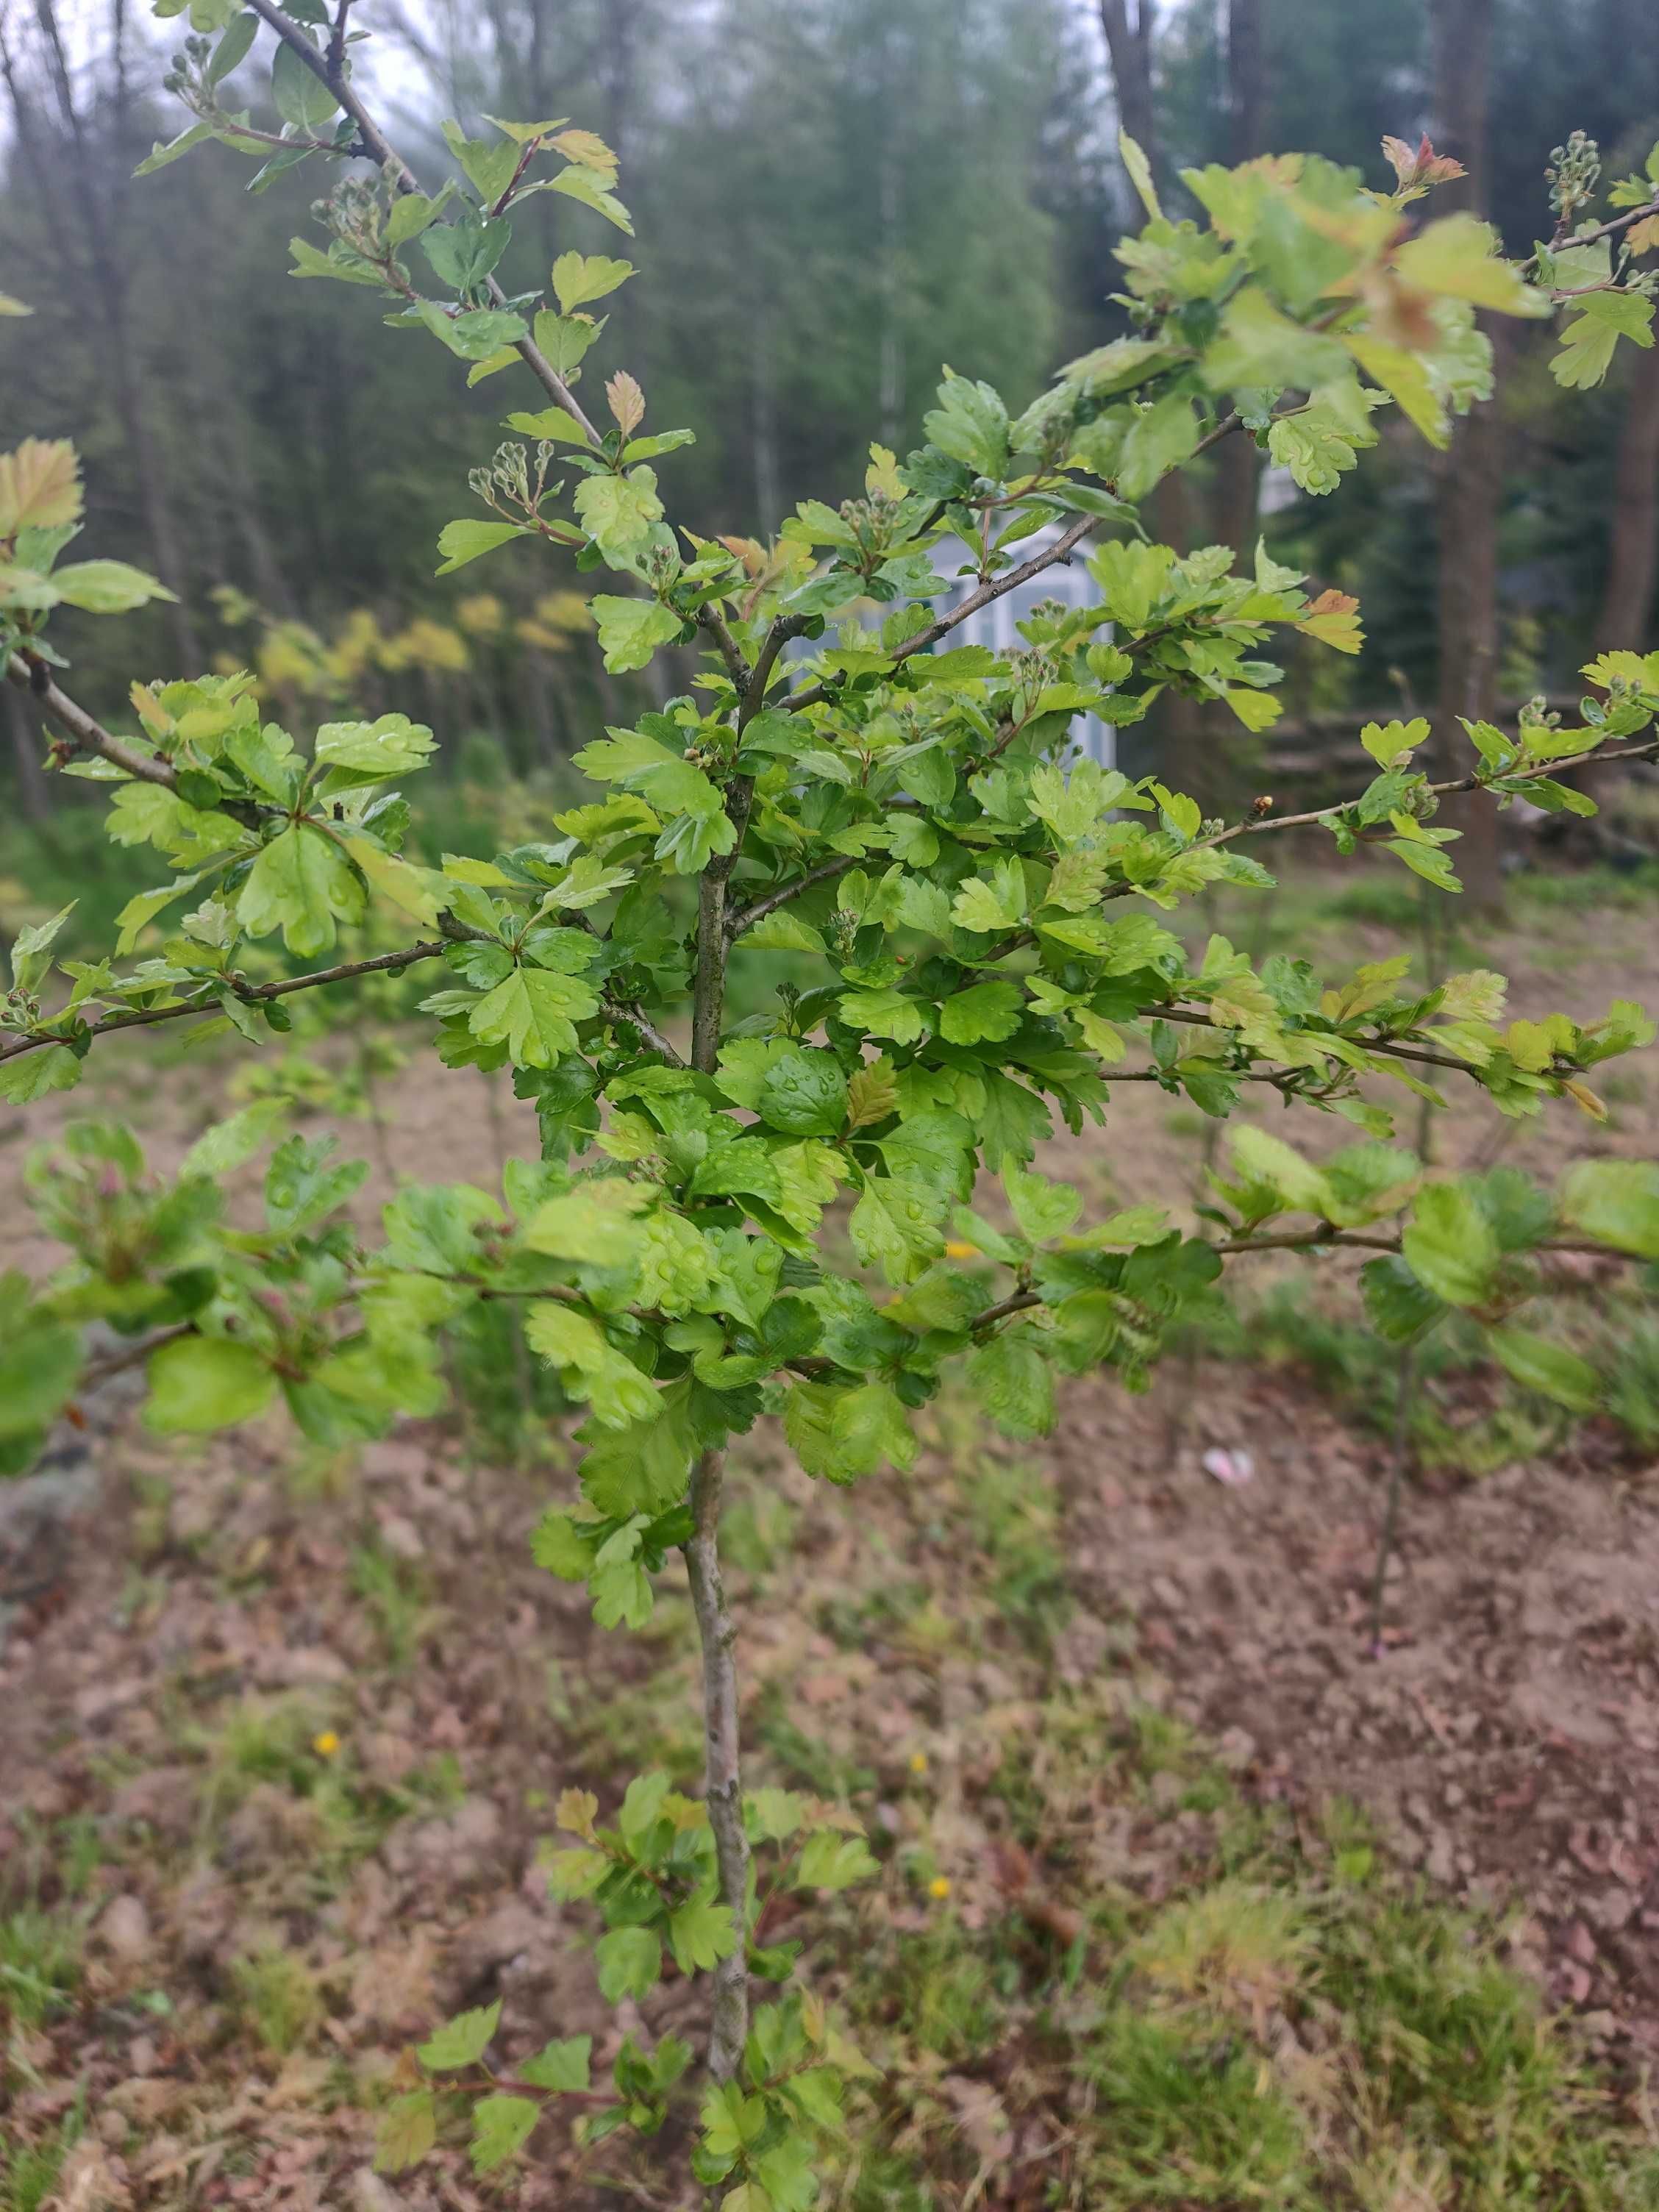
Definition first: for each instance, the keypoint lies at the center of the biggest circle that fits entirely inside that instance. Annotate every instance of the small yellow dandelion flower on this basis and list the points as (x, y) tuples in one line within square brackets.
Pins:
[(918, 1762), (939, 1887), (958, 1251), (326, 1745)]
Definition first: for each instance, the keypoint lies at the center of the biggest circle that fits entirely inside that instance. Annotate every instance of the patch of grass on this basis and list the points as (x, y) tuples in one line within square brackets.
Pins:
[(1013, 1516), (647, 1724), (1633, 1383), (1237, 1948), (805, 1762), (319, 1475), (285, 1743), (152, 1506), (395, 1596), (29, 2172), (40, 1950), (883, 2181), (945, 1988), (1184, 2116), (277, 1995), (1293, 2024), (757, 1530), (77, 1852), (884, 1608), (1447, 2053), (261, 1740), (1584, 890), (43, 1919), (1389, 902)]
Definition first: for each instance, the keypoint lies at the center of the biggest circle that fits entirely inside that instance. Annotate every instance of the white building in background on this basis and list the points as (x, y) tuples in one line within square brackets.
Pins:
[(1069, 582), (994, 625)]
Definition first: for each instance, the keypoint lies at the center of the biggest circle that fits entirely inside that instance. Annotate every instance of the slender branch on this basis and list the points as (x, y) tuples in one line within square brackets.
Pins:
[(1194, 1020), (378, 148), (287, 142), (337, 44), (743, 918), (710, 618), (1326, 1237), (1061, 550), (1307, 1240), (255, 993), (129, 1355), (708, 987), (1478, 780), (615, 1010), (330, 68), (723, 1784), (1301, 1240), (1603, 230), (1017, 1302), (785, 628), (88, 735)]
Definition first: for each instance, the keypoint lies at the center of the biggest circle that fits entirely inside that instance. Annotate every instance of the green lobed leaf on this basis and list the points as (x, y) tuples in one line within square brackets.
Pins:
[(405, 2131), (462, 2041), (202, 1382), (701, 1934), (464, 541), (630, 630), (1448, 1245), (302, 884), (1538, 1364), (501, 2126), (563, 2065), (628, 1961), (830, 1861), (1615, 1201)]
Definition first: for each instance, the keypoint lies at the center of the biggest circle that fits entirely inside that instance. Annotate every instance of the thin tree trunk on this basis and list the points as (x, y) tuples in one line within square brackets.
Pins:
[(32, 789), (1237, 461), (270, 586), (106, 266), (1129, 44), (1172, 729), (764, 411), (619, 72), (891, 403), (1625, 617), (723, 1788), (723, 1784), (1471, 486)]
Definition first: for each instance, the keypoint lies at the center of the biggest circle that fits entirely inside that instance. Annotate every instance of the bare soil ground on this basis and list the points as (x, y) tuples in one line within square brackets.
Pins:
[(1507, 1738)]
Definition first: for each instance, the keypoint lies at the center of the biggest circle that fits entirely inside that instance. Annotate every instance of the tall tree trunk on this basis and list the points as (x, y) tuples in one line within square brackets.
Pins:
[(1626, 610), (1624, 619), (624, 24), (264, 570), (1471, 483), (32, 787), (1129, 44), (764, 418), (890, 397), (1237, 461), (1172, 729), (90, 166), (722, 1766)]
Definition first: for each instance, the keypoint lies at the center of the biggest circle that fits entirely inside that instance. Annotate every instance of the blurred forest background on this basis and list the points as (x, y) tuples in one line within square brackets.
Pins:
[(832, 197)]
